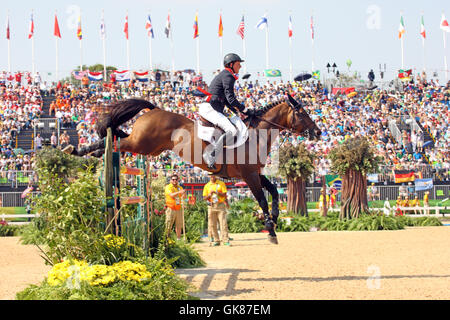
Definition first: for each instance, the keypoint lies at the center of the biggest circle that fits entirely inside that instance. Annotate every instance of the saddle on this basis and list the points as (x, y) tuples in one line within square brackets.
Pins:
[(208, 132)]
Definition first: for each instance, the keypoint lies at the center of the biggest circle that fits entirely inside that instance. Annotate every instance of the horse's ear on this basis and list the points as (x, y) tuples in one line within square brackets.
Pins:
[(293, 101)]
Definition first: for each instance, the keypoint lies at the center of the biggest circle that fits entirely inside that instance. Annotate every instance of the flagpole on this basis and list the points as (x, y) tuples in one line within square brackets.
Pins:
[(312, 41), (445, 57), (423, 43), (104, 45), (244, 53), (198, 47), (401, 43), (128, 46), (150, 47), (33, 67), (9, 46), (290, 50), (267, 46), (220, 46), (56, 51)]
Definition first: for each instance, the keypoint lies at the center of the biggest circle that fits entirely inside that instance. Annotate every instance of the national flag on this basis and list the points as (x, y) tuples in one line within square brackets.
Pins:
[(95, 76), (272, 73), (404, 74), (102, 29), (196, 25), (220, 27), (56, 31), (121, 76), (312, 28), (149, 26), (316, 74), (401, 28), (30, 34), (333, 180), (8, 34), (401, 176), (141, 76), (444, 24), (78, 75), (423, 184), (422, 28), (125, 28), (262, 23), (241, 28), (79, 33), (167, 28), (290, 27)]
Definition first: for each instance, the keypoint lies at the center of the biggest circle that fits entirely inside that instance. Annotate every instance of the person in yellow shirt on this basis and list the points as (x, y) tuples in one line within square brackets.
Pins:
[(215, 193), (174, 195), (415, 203), (426, 203)]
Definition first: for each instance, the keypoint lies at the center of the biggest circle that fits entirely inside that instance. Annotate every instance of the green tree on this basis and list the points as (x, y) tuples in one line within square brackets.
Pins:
[(352, 160), (296, 163)]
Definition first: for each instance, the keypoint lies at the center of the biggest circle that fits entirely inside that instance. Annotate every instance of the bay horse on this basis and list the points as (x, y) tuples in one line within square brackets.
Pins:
[(153, 133)]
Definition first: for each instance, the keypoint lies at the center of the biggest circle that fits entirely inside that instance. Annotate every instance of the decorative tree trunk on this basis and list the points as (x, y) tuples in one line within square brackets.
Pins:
[(354, 195), (296, 192)]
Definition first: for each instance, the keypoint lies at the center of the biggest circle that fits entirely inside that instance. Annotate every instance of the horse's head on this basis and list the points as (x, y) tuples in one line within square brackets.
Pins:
[(300, 122)]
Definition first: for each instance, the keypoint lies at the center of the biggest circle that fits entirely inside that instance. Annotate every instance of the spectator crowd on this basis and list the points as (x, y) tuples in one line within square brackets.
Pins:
[(339, 116)]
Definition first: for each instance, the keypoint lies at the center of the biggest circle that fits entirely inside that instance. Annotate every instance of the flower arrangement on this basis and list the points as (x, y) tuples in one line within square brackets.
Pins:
[(72, 273)]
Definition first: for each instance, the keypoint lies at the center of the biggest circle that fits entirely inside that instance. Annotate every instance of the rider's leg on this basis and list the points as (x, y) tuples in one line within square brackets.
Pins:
[(220, 120)]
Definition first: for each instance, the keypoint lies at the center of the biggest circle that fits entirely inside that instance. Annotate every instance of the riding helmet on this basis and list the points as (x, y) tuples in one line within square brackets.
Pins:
[(231, 57)]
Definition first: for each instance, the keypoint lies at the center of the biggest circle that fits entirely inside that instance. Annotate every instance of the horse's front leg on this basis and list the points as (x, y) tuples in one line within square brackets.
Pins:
[(254, 182), (272, 189)]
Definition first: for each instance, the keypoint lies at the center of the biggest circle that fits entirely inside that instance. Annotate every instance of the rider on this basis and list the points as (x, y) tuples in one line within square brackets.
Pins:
[(222, 94)]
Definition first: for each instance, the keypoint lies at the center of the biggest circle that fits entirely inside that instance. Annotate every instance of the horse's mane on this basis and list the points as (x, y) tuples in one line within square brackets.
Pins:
[(255, 119)]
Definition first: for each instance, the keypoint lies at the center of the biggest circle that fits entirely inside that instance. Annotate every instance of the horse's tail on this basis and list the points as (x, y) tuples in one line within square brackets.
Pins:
[(119, 113)]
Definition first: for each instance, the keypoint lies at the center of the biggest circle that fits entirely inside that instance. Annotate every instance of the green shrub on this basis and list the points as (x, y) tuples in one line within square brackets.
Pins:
[(243, 223), (9, 230)]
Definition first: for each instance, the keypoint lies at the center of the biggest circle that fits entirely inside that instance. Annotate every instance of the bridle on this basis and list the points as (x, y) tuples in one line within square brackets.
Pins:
[(293, 105)]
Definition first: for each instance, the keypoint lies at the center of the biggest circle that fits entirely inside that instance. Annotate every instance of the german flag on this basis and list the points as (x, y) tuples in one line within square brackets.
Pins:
[(404, 176)]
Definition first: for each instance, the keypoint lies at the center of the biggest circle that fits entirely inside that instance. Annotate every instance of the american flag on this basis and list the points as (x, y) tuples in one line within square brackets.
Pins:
[(312, 28), (30, 35), (149, 26), (240, 29)]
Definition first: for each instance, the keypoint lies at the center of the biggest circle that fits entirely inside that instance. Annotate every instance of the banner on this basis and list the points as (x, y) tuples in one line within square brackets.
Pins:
[(141, 76), (372, 177), (122, 75), (346, 90), (95, 76), (423, 184), (403, 176)]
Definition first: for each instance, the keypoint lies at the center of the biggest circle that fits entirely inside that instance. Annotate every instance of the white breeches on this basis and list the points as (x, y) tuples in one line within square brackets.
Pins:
[(216, 118)]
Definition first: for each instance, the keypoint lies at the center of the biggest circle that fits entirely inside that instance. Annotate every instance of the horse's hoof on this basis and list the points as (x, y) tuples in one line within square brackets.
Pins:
[(69, 149), (273, 239)]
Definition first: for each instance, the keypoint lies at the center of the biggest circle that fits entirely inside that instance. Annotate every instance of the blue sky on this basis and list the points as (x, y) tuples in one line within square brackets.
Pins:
[(366, 32)]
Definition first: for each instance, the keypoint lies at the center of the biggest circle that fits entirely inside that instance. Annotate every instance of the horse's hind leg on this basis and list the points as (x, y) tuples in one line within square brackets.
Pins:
[(269, 186), (254, 182)]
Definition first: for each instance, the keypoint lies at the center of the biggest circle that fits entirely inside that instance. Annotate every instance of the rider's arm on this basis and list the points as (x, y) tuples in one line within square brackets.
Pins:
[(228, 86)]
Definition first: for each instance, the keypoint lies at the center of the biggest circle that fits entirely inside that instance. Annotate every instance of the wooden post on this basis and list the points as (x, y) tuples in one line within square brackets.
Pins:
[(108, 180)]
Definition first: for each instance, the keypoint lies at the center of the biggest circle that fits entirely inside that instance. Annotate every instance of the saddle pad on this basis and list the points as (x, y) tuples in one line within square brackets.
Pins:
[(209, 134)]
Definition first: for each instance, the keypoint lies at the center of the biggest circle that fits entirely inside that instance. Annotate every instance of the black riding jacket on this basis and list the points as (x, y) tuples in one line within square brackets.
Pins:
[(222, 92)]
